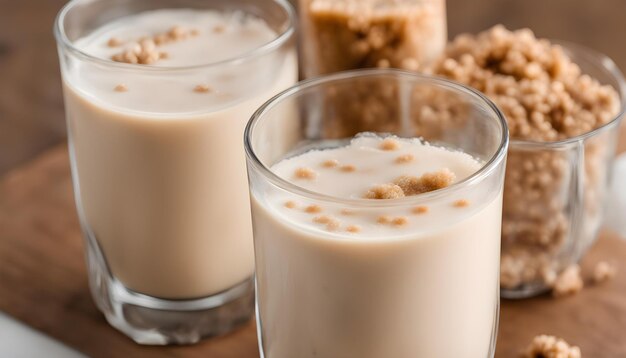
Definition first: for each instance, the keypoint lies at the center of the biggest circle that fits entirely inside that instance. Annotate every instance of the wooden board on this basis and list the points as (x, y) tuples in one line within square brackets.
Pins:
[(43, 283)]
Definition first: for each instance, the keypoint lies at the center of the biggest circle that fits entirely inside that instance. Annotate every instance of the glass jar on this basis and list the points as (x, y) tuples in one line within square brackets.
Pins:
[(555, 193), (338, 35)]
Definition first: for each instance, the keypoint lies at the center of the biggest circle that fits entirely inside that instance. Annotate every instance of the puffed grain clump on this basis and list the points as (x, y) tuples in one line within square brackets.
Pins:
[(412, 185), (603, 271), (542, 93), (568, 282), (385, 191), (545, 346)]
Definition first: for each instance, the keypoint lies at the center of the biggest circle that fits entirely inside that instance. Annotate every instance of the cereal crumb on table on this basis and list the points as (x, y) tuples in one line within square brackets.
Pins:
[(603, 271), (420, 209), (313, 209), (389, 144), (290, 204), (385, 191), (545, 346), (305, 173), (461, 203), (568, 282), (412, 185)]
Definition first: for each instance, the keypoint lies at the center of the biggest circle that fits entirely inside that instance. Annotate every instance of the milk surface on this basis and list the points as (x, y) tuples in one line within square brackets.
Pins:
[(160, 166), (220, 35), (425, 288), (373, 166)]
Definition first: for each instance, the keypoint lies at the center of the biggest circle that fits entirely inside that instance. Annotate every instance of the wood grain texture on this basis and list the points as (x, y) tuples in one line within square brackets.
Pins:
[(43, 283)]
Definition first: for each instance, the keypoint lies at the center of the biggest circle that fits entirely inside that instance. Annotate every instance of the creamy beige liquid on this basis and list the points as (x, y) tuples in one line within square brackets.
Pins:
[(427, 288), (160, 167)]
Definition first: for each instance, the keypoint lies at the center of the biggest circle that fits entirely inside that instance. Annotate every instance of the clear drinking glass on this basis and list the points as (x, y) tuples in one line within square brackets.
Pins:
[(329, 294), (339, 35), (160, 181), (555, 193)]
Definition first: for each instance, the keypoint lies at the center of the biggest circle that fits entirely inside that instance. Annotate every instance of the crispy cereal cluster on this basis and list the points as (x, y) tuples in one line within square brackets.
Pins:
[(545, 346), (543, 94)]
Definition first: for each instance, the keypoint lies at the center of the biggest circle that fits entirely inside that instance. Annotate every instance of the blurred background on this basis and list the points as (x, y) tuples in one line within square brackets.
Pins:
[(31, 104)]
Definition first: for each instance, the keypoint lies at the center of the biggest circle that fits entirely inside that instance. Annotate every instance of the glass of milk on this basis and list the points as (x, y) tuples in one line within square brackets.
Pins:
[(377, 203), (157, 95)]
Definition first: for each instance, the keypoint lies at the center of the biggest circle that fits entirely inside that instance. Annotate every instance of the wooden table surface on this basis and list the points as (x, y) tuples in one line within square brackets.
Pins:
[(42, 272)]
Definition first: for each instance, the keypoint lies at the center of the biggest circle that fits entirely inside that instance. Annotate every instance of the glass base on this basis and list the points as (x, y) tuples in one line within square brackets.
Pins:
[(524, 291), (157, 321)]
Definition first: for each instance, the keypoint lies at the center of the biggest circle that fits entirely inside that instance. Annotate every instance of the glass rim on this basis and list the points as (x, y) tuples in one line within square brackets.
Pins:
[(612, 70), (487, 168), (268, 47)]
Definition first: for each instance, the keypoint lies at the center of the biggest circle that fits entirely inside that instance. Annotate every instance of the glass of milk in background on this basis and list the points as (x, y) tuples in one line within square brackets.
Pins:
[(343, 276), (157, 95)]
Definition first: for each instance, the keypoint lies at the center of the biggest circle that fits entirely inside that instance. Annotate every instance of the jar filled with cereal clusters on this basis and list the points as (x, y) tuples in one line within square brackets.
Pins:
[(563, 105), (338, 35)]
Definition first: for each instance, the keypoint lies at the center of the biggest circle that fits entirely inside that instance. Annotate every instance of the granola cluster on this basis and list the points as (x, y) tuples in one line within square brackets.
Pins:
[(568, 282), (545, 346), (545, 97), (412, 185), (409, 185), (603, 272)]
